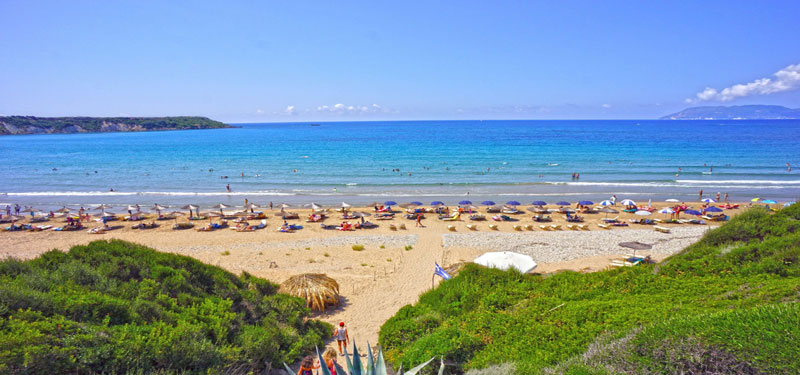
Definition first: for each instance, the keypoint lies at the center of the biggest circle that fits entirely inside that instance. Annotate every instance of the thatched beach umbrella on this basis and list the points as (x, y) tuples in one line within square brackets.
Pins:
[(636, 245), (63, 210), (317, 289), (220, 207), (102, 208), (191, 207)]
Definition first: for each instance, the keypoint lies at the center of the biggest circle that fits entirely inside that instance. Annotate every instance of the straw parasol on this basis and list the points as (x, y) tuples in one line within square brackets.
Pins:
[(191, 207), (317, 289)]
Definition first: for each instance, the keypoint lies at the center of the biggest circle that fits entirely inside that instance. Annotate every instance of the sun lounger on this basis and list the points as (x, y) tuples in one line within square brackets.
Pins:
[(583, 226), (571, 227), (451, 228), (555, 226), (98, 230), (661, 229), (529, 227), (180, 226), (621, 263), (392, 227), (455, 217), (545, 227), (477, 217), (604, 226), (493, 226), (516, 227), (402, 226), (472, 227)]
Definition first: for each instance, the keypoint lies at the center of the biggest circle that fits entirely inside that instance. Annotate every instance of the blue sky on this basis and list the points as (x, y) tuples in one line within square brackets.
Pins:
[(324, 60)]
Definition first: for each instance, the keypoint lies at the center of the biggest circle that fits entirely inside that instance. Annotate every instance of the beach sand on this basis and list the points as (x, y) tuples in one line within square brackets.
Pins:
[(385, 276)]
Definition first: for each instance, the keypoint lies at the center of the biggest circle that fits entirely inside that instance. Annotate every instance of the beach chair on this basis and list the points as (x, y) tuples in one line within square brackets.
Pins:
[(451, 228), (545, 227), (571, 227), (392, 227), (516, 227), (455, 217), (604, 226), (556, 226), (472, 227), (529, 227), (621, 263), (493, 226), (583, 227), (661, 229), (402, 226)]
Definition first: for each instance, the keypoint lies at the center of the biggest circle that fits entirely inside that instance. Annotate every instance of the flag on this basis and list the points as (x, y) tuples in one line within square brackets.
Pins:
[(439, 271)]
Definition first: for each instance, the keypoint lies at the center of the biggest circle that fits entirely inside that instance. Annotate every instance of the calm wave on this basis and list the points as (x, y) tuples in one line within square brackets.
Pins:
[(360, 162)]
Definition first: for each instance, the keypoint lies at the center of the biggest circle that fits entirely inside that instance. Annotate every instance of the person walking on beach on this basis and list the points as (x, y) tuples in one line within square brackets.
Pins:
[(341, 337), (16, 208), (307, 366), (701, 195), (228, 186), (330, 360), (717, 196), (8, 210), (419, 220), (726, 197)]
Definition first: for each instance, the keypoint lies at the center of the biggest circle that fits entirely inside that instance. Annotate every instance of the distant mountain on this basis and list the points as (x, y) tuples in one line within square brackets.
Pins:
[(46, 125), (736, 112)]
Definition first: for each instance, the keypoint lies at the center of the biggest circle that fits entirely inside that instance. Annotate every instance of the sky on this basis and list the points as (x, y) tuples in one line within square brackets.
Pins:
[(285, 61)]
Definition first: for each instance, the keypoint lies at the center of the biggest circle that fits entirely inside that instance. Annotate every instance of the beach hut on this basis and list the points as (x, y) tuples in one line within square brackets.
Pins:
[(505, 260), (317, 289)]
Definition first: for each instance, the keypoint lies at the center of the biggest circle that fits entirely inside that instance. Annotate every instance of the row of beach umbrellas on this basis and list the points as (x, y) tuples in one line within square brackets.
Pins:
[(625, 202)]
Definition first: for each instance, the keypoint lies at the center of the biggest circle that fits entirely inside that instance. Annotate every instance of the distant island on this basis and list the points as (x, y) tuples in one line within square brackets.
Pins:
[(10, 125), (736, 112)]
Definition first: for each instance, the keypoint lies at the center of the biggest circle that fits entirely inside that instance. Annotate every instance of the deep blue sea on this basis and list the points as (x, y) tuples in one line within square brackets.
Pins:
[(361, 162)]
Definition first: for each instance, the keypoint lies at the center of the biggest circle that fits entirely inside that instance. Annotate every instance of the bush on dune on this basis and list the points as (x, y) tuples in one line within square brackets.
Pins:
[(705, 301), (117, 307)]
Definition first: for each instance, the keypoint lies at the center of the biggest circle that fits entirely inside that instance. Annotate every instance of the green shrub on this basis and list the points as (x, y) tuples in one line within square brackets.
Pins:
[(483, 317), (358, 247), (116, 307)]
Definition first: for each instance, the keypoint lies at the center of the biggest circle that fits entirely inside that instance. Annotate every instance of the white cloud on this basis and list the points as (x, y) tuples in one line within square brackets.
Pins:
[(259, 111), (606, 106), (289, 110), (340, 108), (786, 79)]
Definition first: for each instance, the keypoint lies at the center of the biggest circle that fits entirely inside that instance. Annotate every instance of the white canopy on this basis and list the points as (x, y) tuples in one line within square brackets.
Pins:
[(505, 260)]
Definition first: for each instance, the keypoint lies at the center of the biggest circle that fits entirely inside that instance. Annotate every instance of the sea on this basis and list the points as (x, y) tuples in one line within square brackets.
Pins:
[(364, 162)]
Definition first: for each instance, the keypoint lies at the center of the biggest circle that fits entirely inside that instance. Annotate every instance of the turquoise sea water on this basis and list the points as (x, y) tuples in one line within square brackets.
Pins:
[(358, 162)]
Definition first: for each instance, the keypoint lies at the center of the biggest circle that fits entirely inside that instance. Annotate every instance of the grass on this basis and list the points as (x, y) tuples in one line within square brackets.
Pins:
[(408, 247), (730, 298), (226, 252), (358, 247), (117, 307)]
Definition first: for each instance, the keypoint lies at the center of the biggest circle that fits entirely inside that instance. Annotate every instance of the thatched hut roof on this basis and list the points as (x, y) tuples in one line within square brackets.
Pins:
[(317, 289)]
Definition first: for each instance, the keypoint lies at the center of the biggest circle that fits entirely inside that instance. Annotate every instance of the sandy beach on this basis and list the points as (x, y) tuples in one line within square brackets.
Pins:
[(394, 267)]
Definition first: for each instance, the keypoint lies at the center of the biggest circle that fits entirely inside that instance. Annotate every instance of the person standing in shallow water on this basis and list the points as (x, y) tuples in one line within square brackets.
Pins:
[(341, 337)]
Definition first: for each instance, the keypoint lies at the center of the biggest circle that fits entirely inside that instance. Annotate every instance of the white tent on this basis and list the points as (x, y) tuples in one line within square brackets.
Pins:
[(506, 259)]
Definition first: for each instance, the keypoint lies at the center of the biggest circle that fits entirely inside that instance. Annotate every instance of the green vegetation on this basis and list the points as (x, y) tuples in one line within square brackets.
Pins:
[(358, 247), (116, 307), (38, 125), (728, 302)]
